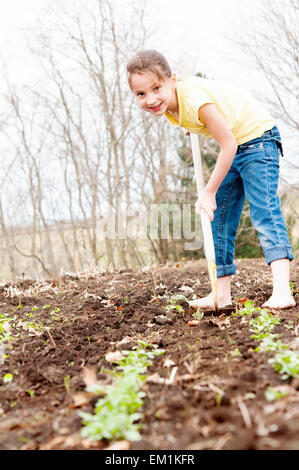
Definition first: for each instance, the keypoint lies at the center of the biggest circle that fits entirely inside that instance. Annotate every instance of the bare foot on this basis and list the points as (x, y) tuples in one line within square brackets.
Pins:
[(286, 301), (207, 303)]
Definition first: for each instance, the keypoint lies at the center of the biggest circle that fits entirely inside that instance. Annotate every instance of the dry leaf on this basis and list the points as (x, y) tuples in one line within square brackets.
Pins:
[(53, 443), (113, 356), (126, 339), (168, 363), (243, 300), (156, 379), (89, 376), (88, 444), (187, 377), (186, 289), (222, 322), (81, 399), (119, 445), (154, 299), (193, 322)]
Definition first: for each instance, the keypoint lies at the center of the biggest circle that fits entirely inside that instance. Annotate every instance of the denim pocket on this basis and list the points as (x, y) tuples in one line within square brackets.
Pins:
[(279, 145), (251, 147)]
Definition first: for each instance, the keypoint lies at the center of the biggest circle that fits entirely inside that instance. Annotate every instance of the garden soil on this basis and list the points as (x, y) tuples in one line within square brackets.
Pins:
[(207, 391)]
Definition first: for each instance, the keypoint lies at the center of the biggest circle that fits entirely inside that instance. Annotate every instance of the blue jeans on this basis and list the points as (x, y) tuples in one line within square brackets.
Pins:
[(254, 175)]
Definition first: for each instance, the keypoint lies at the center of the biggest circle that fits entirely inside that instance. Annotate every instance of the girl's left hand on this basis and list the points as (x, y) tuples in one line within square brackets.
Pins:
[(207, 202)]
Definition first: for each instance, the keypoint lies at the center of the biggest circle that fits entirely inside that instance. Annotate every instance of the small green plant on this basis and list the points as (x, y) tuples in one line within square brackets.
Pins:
[(265, 322), (293, 289), (198, 315), (235, 352), (231, 341), (7, 378), (34, 326), (286, 363), (271, 394), (54, 311), (116, 415), (5, 324), (268, 342), (66, 381), (218, 397), (173, 305), (248, 309)]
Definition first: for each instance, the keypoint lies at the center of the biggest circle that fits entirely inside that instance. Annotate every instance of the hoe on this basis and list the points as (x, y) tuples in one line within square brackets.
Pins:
[(205, 220)]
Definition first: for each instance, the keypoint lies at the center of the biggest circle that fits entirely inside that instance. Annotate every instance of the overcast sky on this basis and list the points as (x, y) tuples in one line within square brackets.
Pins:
[(195, 30)]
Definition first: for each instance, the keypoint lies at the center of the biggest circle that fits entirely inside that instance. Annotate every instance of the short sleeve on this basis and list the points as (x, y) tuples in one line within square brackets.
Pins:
[(193, 100)]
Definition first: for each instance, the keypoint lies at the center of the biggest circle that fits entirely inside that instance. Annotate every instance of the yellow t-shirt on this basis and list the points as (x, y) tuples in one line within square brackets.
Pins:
[(243, 114)]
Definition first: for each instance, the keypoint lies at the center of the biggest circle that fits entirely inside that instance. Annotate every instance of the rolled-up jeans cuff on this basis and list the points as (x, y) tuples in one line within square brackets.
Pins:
[(278, 252), (226, 270)]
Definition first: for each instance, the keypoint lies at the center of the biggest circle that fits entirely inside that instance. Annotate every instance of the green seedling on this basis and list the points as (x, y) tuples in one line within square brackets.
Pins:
[(173, 303), (30, 393), (198, 315), (54, 311), (248, 309), (7, 378), (66, 381), (268, 343), (235, 352), (6, 323), (116, 415), (286, 363), (271, 394), (289, 326), (231, 341), (38, 417), (293, 289), (264, 323), (35, 326), (218, 397)]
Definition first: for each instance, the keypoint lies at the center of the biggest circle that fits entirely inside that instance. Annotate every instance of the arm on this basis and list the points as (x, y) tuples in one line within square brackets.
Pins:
[(218, 128)]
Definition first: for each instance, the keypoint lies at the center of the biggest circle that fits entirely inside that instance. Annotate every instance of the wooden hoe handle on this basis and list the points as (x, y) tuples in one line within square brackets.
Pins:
[(205, 220)]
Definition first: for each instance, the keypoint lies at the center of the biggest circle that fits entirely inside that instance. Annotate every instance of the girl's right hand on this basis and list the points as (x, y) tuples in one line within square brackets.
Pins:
[(207, 202)]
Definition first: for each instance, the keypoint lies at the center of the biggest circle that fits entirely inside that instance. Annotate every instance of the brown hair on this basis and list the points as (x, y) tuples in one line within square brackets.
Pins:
[(151, 60)]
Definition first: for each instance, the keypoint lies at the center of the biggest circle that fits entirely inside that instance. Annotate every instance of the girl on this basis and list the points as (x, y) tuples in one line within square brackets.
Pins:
[(247, 165)]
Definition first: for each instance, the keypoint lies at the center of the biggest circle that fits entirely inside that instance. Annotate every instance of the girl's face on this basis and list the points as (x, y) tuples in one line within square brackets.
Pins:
[(154, 95)]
